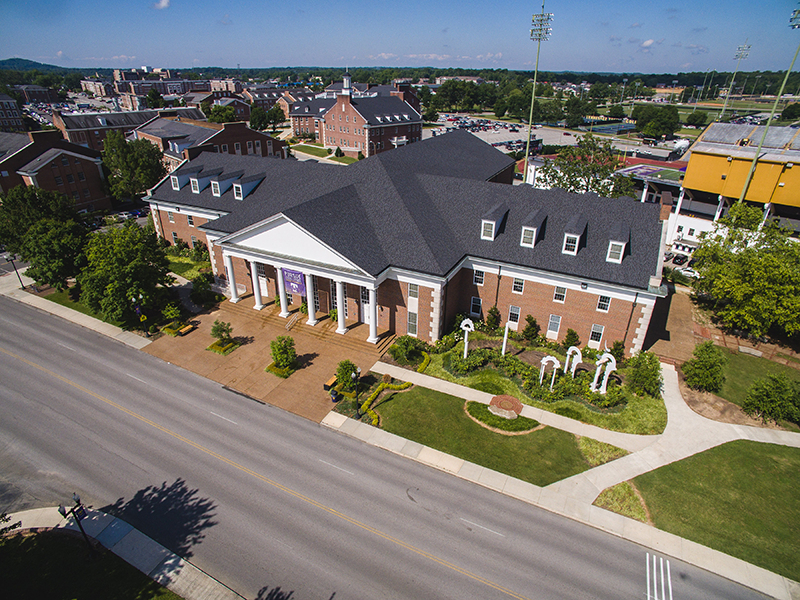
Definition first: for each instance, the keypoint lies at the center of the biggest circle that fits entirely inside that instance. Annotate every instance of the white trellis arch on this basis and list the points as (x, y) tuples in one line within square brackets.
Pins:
[(466, 326), (575, 354), (556, 366), (610, 363)]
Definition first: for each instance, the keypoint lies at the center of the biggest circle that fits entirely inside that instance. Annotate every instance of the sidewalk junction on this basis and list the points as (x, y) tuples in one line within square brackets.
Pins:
[(686, 433)]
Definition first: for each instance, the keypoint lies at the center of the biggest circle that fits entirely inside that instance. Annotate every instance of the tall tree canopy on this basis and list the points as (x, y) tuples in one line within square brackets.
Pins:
[(55, 251), (275, 116), (125, 267), (751, 274), (22, 207), (586, 167), (258, 118), (133, 167)]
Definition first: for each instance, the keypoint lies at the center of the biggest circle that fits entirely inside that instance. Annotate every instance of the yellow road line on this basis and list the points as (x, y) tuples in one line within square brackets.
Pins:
[(271, 482)]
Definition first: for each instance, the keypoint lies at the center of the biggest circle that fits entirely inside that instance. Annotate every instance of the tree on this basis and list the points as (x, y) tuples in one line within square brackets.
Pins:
[(616, 111), (133, 167), (221, 114), (283, 353), (751, 274), (221, 331), (430, 115), (22, 207), (275, 116), (339, 153), (55, 251), (697, 119), (644, 375), (532, 329), (775, 398), (706, 371), (654, 121), (587, 167), (258, 118), (154, 99), (571, 339), (493, 318), (791, 112), (125, 269), (344, 375)]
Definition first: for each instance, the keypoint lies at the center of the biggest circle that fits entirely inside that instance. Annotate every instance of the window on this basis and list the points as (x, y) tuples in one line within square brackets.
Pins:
[(528, 237), (249, 146), (603, 302), (513, 314), (289, 299), (174, 238), (258, 146), (553, 325), (680, 228), (316, 291), (194, 241), (176, 185), (570, 244), (413, 290), (597, 334), (560, 295), (477, 277), (412, 323), (81, 176), (224, 148), (65, 161), (487, 230), (615, 251), (190, 220), (518, 286), (215, 189), (691, 232), (195, 186), (59, 181), (475, 306), (70, 178), (237, 148), (86, 192), (76, 195), (333, 295), (237, 191), (171, 217)]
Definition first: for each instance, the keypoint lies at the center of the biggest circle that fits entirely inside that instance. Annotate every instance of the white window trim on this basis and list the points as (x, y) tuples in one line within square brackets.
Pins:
[(171, 216), (532, 231), (237, 191), (555, 294), (567, 238), (599, 302), (553, 334), (415, 288), (514, 283), (472, 303), (612, 245), (511, 312), (475, 276), (484, 235), (215, 189), (176, 184), (190, 220), (415, 325), (595, 344), (195, 186)]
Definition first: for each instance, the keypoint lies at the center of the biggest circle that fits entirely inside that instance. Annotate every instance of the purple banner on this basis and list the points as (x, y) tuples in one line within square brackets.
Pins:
[(295, 282)]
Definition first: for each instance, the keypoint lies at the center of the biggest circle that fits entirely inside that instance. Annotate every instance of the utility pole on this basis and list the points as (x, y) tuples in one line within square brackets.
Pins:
[(741, 53), (540, 31)]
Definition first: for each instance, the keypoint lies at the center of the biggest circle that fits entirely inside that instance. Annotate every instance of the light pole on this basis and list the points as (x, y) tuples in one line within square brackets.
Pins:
[(741, 53), (79, 512), (794, 23), (356, 376), (674, 85), (622, 98), (755, 83), (540, 31), (700, 95)]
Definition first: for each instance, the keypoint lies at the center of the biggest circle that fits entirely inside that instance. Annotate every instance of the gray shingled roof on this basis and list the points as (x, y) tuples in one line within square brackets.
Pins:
[(131, 119), (168, 129), (44, 158), (311, 108), (11, 143), (383, 110), (418, 208)]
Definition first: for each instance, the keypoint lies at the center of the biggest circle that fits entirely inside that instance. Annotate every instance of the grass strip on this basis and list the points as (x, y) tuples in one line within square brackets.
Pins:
[(622, 499)]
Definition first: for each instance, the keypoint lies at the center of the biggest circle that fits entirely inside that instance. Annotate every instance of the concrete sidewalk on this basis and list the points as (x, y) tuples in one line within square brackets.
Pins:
[(147, 555)]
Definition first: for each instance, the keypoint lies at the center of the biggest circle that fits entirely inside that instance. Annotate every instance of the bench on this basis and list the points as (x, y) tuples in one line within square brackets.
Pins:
[(329, 384), (186, 329)]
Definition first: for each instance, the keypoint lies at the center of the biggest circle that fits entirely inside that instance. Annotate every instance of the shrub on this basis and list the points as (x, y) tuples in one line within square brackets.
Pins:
[(201, 289), (532, 329), (706, 371), (475, 360), (338, 152), (775, 398), (329, 151), (344, 375), (426, 360), (407, 349), (360, 156), (304, 307), (171, 312), (333, 314), (618, 352), (589, 353), (445, 343), (283, 353), (571, 339), (493, 318), (199, 253), (221, 331), (645, 374)]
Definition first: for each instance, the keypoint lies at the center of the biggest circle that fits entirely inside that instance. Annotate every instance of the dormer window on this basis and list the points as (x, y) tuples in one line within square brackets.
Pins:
[(215, 189), (195, 186), (528, 238), (487, 230), (570, 244), (237, 191), (176, 185), (615, 252), (492, 222)]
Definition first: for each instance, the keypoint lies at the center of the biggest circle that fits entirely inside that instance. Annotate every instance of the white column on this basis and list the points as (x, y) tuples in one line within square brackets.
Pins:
[(767, 213), (256, 286), (340, 305), (312, 313), (373, 316), (720, 206), (231, 278), (282, 293), (673, 218), (645, 190)]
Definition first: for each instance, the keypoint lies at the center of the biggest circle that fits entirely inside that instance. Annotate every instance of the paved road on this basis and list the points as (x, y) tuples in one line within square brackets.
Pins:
[(268, 502)]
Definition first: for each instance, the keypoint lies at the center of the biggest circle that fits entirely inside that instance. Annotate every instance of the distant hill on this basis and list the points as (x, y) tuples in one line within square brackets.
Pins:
[(23, 64)]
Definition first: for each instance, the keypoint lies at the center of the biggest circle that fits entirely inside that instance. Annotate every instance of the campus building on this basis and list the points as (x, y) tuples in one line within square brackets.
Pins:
[(407, 240)]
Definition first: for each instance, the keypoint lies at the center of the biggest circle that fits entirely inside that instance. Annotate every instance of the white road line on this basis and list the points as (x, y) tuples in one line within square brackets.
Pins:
[(223, 418), (482, 527), (335, 467), (134, 377), (666, 581), (65, 346)]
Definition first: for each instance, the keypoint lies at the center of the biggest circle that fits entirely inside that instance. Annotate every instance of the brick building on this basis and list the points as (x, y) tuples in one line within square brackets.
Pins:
[(407, 240), (36, 93), (10, 115), (90, 129), (174, 136), (44, 159)]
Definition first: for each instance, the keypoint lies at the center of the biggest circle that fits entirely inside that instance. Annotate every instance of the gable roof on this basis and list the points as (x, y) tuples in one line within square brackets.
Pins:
[(11, 143), (417, 208), (130, 119), (385, 110)]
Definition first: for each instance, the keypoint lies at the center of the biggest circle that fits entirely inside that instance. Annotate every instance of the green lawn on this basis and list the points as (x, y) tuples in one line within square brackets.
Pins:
[(312, 150), (63, 298), (742, 498), (437, 420), (57, 565), (186, 267), (646, 416), (743, 369), (347, 160)]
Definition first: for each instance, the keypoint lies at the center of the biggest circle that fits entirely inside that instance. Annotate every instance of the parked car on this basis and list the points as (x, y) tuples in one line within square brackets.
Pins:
[(689, 272), (680, 259), (668, 256)]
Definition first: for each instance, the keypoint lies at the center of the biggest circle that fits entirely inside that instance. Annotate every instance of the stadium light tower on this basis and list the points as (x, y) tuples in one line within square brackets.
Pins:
[(741, 53), (794, 23), (540, 32)]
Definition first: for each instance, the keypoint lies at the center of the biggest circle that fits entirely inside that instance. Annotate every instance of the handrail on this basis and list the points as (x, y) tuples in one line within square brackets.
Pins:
[(291, 322)]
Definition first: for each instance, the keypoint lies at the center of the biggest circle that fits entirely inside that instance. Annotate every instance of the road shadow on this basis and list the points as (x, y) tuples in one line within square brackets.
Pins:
[(173, 515), (276, 593)]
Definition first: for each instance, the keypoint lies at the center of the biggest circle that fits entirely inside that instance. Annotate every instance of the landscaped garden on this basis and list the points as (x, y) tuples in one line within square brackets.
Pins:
[(742, 498)]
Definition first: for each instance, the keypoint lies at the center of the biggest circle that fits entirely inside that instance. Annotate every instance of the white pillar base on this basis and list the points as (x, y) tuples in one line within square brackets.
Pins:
[(234, 300), (258, 307)]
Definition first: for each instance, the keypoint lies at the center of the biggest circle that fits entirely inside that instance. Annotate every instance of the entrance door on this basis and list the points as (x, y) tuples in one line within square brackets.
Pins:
[(364, 305), (262, 279)]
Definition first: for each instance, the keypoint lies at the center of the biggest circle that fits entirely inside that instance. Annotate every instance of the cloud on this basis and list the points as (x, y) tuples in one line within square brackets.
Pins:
[(636, 25), (225, 20), (697, 48), (634, 41), (489, 57), (647, 43), (382, 56), (123, 58), (615, 40), (161, 4), (60, 54), (699, 29), (437, 57)]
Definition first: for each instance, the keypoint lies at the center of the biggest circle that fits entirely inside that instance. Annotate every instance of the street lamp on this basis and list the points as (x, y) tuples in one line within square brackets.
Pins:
[(674, 85), (755, 83), (741, 53), (794, 23), (540, 31), (79, 512), (356, 377), (622, 98)]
